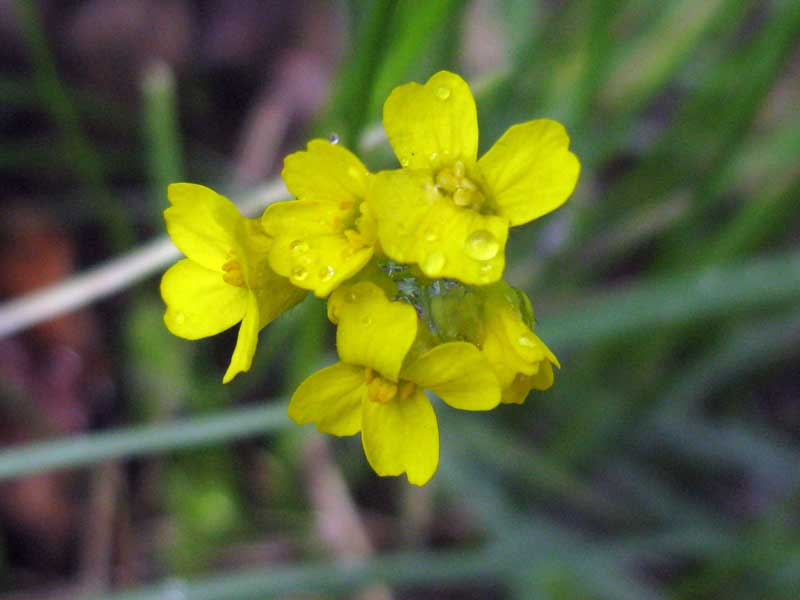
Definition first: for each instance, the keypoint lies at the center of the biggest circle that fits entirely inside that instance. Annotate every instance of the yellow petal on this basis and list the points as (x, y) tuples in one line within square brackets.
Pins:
[(331, 399), (325, 172), (344, 293), (202, 223), (324, 262), (374, 332), (252, 250), (522, 384), (458, 373), (509, 345), (316, 243), (530, 170), (433, 124), (418, 224), (401, 436), (246, 342), (544, 378), (275, 295), (304, 218), (199, 303)]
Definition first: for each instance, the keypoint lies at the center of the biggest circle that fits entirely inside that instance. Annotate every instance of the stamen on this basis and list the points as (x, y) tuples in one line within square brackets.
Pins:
[(233, 273), (381, 390), (462, 197), (453, 182), (407, 389)]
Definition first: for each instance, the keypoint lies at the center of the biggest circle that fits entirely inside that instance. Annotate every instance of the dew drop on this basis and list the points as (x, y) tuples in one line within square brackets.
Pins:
[(481, 245), (430, 235), (433, 156), (433, 263), (404, 162), (486, 272), (526, 341), (298, 246), (326, 272), (333, 138), (443, 93), (299, 273), (351, 297)]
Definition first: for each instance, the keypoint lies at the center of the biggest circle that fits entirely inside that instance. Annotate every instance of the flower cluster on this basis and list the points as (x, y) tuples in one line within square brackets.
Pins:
[(411, 262)]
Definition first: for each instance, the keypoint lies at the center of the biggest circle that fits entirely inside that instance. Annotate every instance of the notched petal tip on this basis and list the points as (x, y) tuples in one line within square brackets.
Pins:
[(530, 170), (430, 123)]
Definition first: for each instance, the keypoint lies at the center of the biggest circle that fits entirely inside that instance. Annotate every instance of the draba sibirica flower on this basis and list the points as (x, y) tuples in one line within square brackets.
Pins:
[(448, 211), (499, 320), (328, 234), (225, 278), (378, 387), (519, 358)]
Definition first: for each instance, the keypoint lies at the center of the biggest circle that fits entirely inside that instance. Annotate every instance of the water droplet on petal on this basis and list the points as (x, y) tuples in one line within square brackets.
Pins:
[(298, 246), (299, 273), (526, 341), (433, 156), (404, 162), (481, 245), (333, 138), (430, 235), (433, 263), (443, 92), (326, 272), (351, 297), (486, 272)]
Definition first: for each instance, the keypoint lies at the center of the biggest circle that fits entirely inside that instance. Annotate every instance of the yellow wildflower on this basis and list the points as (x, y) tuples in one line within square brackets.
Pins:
[(499, 320), (448, 211), (519, 358), (226, 278), (377, 388), (327, 235)]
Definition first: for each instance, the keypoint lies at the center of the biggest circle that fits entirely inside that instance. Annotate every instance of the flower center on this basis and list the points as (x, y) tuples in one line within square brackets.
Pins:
[(233, 272), (383, 391), (453, 182)]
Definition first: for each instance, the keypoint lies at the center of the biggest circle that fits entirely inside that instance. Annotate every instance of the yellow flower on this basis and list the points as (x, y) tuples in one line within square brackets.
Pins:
[(448, 211), (498, 319), (226, 278), (519, 358), (377, 388), (327, 235)]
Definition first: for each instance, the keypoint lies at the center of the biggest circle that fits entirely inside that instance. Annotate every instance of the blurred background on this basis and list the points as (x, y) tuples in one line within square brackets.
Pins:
[(664, 462)]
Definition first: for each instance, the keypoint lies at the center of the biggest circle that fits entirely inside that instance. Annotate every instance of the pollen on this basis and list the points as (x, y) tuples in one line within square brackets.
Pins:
[(381, 390), (233, 273), (453, 182)]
